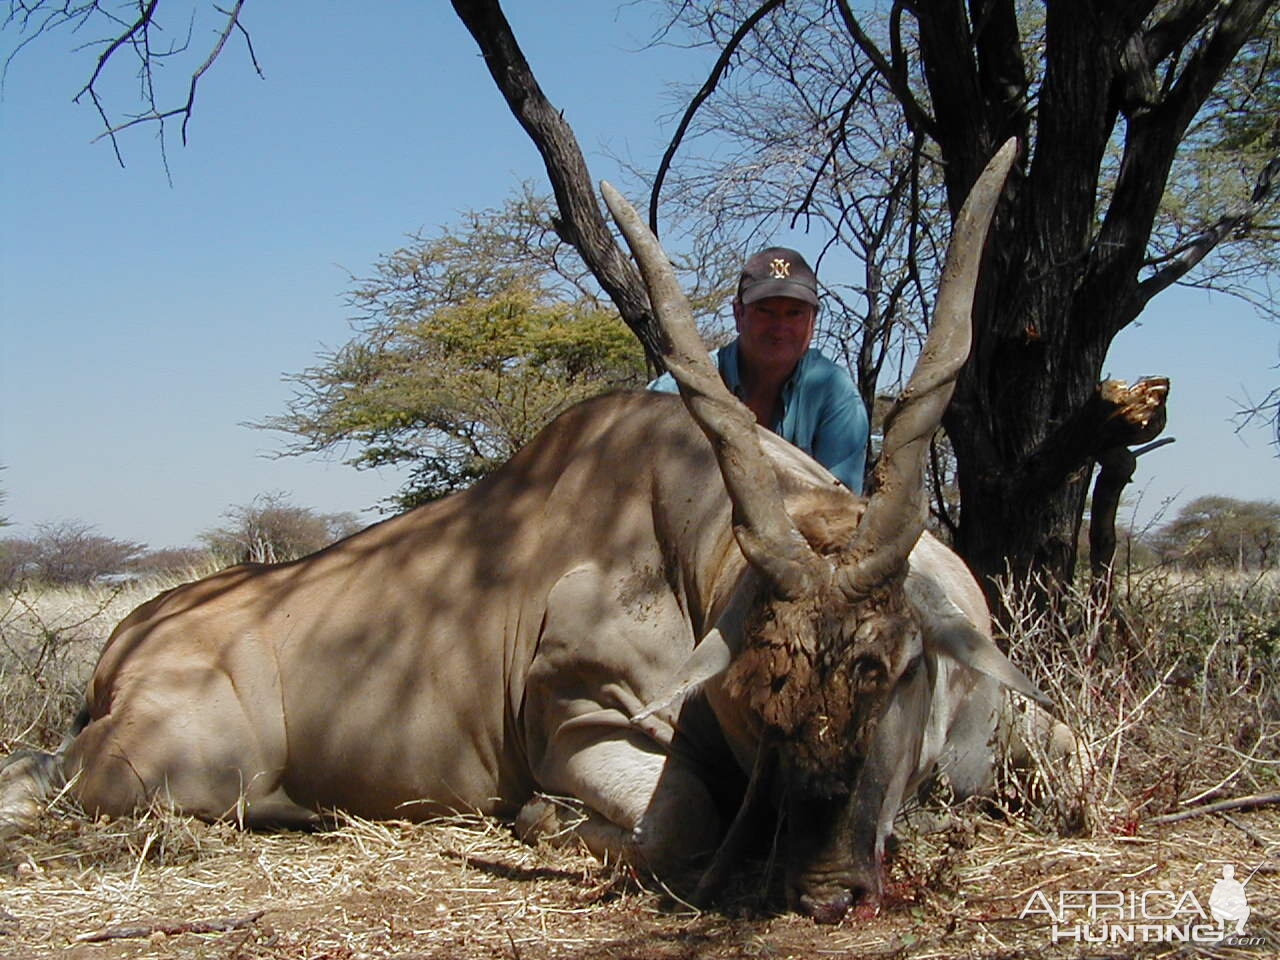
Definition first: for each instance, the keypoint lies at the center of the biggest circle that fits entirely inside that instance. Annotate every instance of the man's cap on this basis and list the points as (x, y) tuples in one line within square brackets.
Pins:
[(777, 272)]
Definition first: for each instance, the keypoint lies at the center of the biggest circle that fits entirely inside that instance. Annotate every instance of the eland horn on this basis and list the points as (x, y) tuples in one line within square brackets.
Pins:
[(895, 514)]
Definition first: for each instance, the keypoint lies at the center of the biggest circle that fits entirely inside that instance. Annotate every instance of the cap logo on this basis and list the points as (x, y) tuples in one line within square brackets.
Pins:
[(779, 269)]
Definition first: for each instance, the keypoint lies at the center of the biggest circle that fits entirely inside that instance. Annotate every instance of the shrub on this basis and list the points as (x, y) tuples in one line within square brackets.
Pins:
[(1173, 694), (270, 529), (65, 553)]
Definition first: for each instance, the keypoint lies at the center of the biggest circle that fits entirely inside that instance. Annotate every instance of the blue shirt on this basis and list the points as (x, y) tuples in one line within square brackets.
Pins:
[(822, 411)]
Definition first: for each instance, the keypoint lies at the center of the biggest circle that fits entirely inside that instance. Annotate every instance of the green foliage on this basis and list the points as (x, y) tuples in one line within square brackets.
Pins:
[(270, 530), (1234, 138), (456, 392), (467, 344), (1223, 532)]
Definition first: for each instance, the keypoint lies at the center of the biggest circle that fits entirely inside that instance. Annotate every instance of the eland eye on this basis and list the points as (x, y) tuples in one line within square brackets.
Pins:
[(870, 668)]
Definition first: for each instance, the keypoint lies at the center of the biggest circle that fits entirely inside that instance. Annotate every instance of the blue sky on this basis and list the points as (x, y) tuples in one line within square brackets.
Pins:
[(143, 323)]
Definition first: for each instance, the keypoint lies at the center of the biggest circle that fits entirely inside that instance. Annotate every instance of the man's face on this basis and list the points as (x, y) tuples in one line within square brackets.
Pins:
[(774, 332)]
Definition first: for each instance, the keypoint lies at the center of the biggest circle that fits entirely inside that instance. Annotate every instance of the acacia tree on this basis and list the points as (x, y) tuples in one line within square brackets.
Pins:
[(271, 529), (468, 341), (1134, 115), (1224, 532), (1103, 95), (66, 552)]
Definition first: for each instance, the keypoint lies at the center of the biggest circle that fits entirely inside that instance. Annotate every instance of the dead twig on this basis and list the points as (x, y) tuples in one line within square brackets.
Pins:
[(1239, 803), (142, 932), (1253, 835)]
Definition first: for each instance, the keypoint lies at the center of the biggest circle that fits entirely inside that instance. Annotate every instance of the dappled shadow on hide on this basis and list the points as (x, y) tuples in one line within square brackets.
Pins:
[(401, 652)]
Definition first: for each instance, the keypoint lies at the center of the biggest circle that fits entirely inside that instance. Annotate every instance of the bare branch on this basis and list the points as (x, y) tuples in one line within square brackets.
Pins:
[(140, 26), (185, 109), (1267, 409), (1181, 260), (170, 928), (1154, 445), (44, 16), (582, 222), (1175, 28), (233, 21), (1239, 803), (894, 73), (708, 87)]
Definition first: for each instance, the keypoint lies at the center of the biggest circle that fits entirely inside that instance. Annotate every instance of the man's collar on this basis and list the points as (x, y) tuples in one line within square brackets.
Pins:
[(727, 357)]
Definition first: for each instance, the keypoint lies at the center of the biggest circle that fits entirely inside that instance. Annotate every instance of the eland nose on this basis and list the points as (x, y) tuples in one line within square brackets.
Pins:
[(827, 908)]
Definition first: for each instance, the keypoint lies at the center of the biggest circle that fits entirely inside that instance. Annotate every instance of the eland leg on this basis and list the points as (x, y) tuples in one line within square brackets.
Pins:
[(205, 735), (599, 656)]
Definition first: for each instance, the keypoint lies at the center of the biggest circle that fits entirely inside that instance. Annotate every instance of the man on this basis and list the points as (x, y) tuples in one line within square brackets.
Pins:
[(792, 389)]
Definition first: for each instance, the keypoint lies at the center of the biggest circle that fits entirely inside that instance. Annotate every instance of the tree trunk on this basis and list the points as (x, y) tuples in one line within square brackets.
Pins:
[(1118, 465), (1063, 272), (1028, 422)]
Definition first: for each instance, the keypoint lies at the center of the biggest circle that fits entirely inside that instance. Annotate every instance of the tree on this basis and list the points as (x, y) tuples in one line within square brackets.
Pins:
[(270, 529), (172, 562), (458, 391), (1146, 150), (66, 553), (1222, 532), (1104, 96), (468, 342), (17, 560)]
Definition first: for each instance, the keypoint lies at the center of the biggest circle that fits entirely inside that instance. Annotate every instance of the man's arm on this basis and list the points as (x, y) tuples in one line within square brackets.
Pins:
[(840, 442)]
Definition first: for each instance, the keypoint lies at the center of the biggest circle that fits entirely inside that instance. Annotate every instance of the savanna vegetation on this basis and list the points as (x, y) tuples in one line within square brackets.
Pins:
[(72, 553)]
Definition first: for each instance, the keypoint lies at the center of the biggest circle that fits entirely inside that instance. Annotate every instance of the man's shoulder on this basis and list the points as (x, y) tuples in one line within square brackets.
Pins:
[(819, 371)]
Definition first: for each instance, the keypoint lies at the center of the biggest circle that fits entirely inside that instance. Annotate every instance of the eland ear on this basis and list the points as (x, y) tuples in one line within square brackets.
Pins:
[(967, 644), (713, 654), (947, 630)]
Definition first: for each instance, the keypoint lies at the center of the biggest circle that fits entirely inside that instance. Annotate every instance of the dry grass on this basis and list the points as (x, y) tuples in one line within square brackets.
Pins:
[(1179, 709), (1175, 697)]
